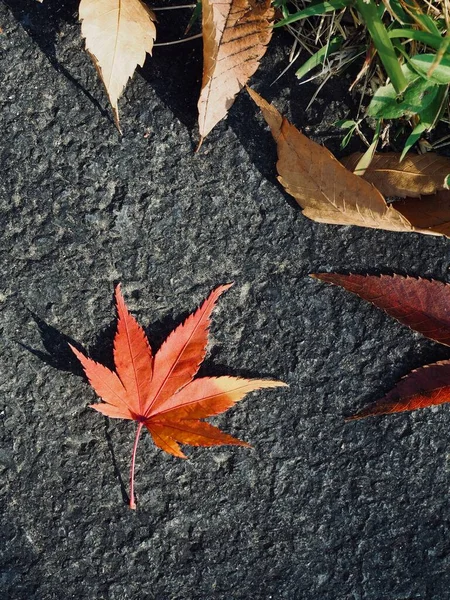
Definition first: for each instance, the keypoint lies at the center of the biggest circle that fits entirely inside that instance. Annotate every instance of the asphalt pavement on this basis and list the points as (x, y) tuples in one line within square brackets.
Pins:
[(318, 509)]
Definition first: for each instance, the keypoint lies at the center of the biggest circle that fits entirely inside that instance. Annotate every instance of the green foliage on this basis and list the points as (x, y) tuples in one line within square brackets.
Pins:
[(409, 40), (320, 56), (314, 9), (424, 63), (419, 93)]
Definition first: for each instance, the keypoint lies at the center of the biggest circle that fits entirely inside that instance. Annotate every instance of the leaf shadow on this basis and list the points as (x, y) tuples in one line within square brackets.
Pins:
[(57, 353), (211, 368), (42, 22), (183, 62), (291, 99), (158, 332), (116, 469), (419, 353), (389, 271)]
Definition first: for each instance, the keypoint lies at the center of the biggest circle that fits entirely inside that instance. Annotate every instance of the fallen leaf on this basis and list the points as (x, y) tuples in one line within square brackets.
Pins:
[(422, 388), (160, 392), (417, 175), (423, 305), (235, 37), (430, 212), (118, 35), (324, 188)]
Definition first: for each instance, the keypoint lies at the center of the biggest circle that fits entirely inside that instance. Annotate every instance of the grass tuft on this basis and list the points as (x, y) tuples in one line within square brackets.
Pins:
[(402, 48)]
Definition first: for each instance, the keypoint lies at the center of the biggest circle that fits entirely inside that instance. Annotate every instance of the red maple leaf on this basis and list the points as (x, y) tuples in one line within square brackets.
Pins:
[(159, 391), (422, 305)]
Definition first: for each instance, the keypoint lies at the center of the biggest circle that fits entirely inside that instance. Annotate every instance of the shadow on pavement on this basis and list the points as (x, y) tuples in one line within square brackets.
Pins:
[(42, 23), (175, 72)]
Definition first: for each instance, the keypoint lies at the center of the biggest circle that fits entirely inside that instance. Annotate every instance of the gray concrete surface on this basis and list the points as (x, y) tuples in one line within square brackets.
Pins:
[(319, 510)]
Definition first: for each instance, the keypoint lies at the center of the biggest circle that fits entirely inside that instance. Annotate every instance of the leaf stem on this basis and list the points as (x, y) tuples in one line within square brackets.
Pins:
[(133, 463), (188, 39), (174, 7)]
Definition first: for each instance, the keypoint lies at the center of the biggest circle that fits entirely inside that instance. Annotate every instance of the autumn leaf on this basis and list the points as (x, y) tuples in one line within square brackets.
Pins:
[(424, 306), (160, 392), (330, 193), (324, 188), (118, 35), (422, 178), (421, 304), (235, 37), (422, 388), (416, 175), (428, 212)]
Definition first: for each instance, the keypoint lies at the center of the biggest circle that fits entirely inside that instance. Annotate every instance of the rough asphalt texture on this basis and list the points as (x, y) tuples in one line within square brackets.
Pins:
[(320, 509)]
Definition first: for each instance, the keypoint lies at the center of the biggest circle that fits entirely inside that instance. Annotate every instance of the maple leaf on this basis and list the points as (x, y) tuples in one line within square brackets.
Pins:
[(160, 392), (424, 306), (330, 193), (118, 35), (235, 38)]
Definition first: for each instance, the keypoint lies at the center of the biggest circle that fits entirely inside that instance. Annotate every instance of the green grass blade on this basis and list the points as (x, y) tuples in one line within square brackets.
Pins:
[(430, 115), (346, 124), (367, 157), (434, 41), (428, 119), (319, 8), (418, 95), (395, 7), (412, 139), (196, 15), (386, 52), (282, 5), (441, 71), (319, 57), (421, 18)]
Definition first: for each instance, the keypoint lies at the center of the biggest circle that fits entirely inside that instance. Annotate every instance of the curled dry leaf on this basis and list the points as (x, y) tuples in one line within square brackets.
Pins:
[(423, 305), (324, 188), (330, 193), (429, 212), (416, 175), (159, 391), (235, 37), (118, 35)]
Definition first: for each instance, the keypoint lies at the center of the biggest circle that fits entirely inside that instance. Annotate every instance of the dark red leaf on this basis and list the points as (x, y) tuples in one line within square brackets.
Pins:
[(424, 387), (422, 304)]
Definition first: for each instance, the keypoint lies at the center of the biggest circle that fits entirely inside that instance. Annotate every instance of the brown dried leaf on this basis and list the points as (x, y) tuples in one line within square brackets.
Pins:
[(415, 176), (324, 188), (429, 212), (235, 37), (118, 34)]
